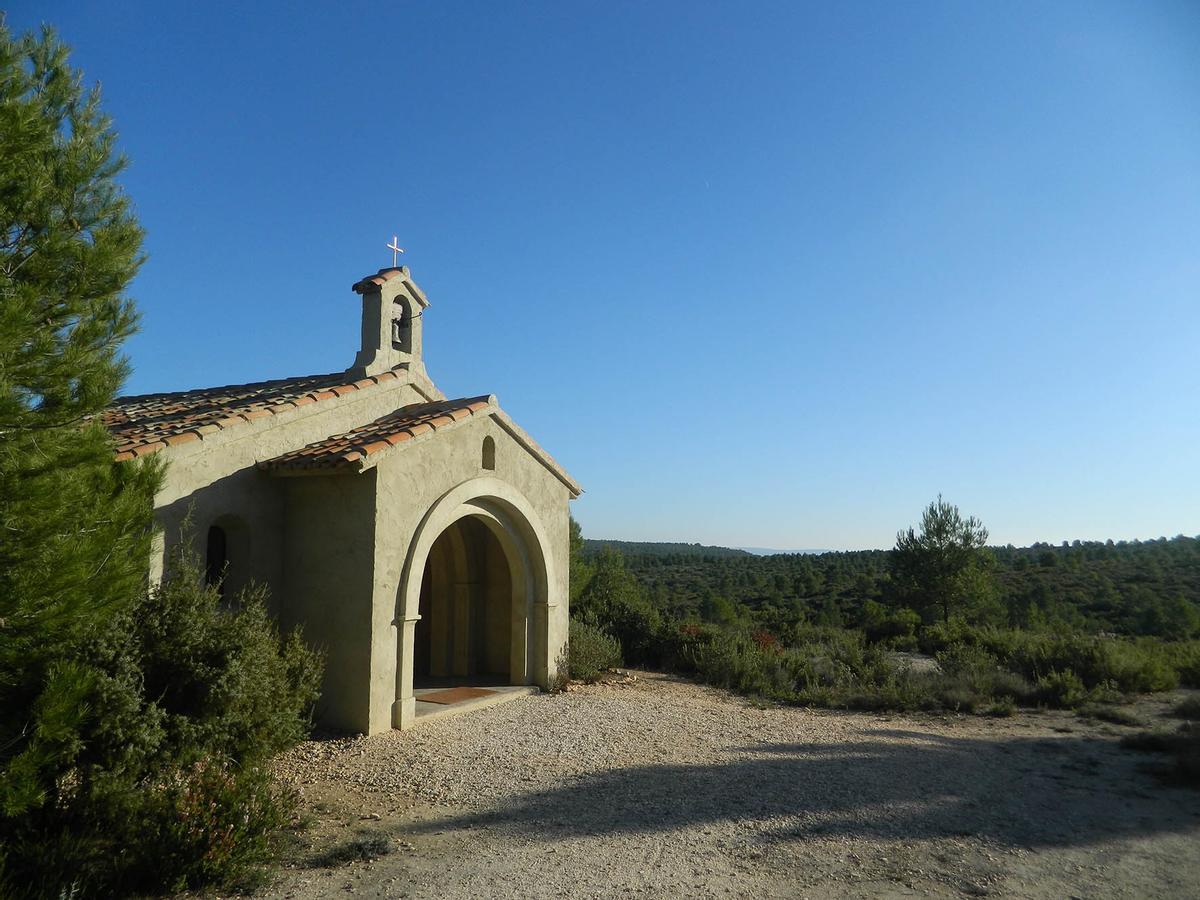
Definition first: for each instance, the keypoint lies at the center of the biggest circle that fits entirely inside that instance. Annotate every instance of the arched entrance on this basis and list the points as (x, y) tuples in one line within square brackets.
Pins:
[(466, 624), (478, 560)]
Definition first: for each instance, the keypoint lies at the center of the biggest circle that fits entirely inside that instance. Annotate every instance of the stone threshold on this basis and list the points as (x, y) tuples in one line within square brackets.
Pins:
[(429, 712)]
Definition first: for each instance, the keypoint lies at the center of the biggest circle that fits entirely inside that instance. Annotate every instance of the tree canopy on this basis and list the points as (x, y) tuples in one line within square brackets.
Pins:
[(944, 567), (74, 525)]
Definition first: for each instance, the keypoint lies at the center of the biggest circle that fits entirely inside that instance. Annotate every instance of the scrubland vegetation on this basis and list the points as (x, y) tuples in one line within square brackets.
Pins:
[(161, 782), (991, 631)]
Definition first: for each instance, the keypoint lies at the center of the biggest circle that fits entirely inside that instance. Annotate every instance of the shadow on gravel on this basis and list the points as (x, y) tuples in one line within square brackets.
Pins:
[(1022, 792)]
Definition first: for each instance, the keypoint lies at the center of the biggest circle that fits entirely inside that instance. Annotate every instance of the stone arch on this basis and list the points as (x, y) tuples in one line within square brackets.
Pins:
[(511, 519), (466, 627)]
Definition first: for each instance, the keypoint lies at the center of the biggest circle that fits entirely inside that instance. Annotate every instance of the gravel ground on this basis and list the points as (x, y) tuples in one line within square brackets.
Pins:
[(658, 787)]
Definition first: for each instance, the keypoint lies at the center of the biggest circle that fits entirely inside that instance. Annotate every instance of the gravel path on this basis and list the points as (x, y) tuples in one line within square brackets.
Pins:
[(661, 787)]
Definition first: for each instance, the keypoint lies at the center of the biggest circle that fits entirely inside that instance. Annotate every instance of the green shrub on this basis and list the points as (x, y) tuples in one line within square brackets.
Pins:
[(896, 693), (959, 698), (592, 651), (1061, 690), (941, 635), (896, 628), (736, 661), (210, 824), (168, 787), (981, 668), (965, 660), (1188, 709), (1106, 692), (1129, 666), (1002, 708), (613, 601), (972, 678), (1184, 657)]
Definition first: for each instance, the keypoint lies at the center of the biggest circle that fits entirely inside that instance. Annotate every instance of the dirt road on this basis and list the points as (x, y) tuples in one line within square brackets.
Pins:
[(664, 788)]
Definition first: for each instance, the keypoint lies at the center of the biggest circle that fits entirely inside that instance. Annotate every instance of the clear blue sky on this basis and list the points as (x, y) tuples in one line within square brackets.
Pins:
[(766, 274)]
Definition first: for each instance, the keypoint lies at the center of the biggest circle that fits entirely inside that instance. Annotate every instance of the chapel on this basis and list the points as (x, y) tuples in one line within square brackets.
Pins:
[(417, 539)]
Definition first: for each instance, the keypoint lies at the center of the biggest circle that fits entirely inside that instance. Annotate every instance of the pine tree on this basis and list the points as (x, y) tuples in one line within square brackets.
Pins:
[(945, 567), (74, 525), (581, 571)]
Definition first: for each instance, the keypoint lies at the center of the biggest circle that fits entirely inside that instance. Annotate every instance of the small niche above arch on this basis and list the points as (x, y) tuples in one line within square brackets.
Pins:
[(489, 453)]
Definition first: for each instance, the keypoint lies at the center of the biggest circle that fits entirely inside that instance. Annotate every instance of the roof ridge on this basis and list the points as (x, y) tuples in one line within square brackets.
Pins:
[(345, 450), (270, 382), (144, 424)]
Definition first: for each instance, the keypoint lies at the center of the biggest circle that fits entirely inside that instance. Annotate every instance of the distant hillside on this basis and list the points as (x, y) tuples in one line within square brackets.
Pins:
[(651, 548), (1129, 587), (770, 551)]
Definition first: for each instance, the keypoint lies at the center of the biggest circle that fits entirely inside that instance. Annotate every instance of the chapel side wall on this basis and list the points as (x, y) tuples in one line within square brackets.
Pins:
[(411, 480), (248, 506), (216, 481), (329, 539)]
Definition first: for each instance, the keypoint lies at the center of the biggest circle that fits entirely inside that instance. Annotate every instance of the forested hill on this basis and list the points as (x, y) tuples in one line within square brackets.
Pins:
[(592, 549), (1131, 587)]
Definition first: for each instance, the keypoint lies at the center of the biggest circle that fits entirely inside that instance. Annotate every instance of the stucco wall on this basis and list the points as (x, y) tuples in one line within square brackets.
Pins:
[(329, 541), (217, 477), (493, 605), (313, 539), (249, 507), (411, 481)]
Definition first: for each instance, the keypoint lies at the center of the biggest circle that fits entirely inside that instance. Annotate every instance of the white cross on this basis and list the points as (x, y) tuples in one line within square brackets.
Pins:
[(396, 250)]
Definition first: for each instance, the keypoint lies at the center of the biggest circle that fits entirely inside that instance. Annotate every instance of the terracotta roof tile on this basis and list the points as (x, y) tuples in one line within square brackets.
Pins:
[(147, 449), (147, 423), (406, 423), (382, 277)]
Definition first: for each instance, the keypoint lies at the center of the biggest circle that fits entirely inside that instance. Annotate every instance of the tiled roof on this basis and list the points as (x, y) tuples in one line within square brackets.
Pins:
[(148, 423), (348, 450), (372, 283), (379, 279)]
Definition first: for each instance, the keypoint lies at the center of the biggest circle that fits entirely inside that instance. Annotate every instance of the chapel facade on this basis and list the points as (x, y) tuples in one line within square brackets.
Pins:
[(417, 539)]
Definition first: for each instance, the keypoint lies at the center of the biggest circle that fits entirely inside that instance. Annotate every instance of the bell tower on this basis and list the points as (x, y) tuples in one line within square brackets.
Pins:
[(392, 307)]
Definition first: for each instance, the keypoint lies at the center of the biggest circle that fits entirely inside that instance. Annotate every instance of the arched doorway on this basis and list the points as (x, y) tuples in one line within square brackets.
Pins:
[(453, 558), (465, 630)]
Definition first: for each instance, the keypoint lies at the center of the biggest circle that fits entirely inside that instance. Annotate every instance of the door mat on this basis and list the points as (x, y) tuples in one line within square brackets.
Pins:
[(454, 695)]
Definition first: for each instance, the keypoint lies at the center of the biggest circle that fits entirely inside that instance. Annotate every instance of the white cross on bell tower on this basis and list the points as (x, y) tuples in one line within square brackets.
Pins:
[(396, 249)]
